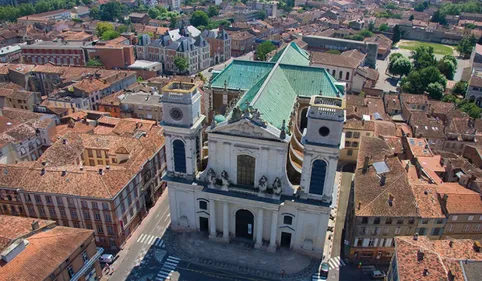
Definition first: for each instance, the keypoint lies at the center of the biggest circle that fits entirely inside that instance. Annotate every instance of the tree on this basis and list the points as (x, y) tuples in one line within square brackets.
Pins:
[(435, 90), (111, 11), (400, 66), (260, 15), (423, 57), (371, 26), (394, 56), (417, 81), (447, 68), (465, 46), (181, 64), (94, 63), (122, 28), (26, 9), (471, 108), (213, 11), (396, 34), (411, 18), (153, 13), (333, 52), (199, 18), (450, 98), (365, 33), (110, 34), (263, 49), (95, 13), (172, 22), (102, 27), (460, 88), (384, 27), (438, 17), (419, 7)]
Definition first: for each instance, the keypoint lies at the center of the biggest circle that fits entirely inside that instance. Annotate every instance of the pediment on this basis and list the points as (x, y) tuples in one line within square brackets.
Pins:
[(249, 129)]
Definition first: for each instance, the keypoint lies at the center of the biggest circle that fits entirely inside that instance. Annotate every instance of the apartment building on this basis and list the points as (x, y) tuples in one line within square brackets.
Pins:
[(99, 182), (463, 209), (24, 135), (59, 253), (184, 42), (242, 42), (418, 258), (43, 18), (23, 99), (354, 129), (117, 53), (55, 52), (219, 45)]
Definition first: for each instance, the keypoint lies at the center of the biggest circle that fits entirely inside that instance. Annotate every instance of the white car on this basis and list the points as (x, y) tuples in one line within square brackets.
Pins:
[(106, 258), (378, 274)]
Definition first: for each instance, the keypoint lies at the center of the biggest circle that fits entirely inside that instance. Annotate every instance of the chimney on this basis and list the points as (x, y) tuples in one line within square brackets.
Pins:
[(359, 205), (64, 172), (425, 272), (363, 122), (407, 167), (451, 244), (415, 236), (390, 199), (107, 167), (365, 164), (420, 255), (35, 225), (42, 172), (64, 141), (44, 163), (383, 178), (101, 172)]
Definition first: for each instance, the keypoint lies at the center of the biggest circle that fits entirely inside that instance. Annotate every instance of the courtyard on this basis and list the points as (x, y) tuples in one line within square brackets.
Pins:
[(438, 49)]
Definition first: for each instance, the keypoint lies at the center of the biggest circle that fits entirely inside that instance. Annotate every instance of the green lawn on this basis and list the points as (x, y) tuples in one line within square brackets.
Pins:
[(438, 48)]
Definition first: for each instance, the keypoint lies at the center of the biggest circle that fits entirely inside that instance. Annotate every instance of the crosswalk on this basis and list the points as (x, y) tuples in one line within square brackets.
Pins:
[(336, 262), (151, 240), (167, 268)]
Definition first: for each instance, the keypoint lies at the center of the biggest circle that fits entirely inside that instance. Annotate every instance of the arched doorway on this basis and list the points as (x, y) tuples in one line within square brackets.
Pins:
[(244, 224), (303, 119)]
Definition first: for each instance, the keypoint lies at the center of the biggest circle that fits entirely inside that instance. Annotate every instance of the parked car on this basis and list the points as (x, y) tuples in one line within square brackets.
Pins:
[(324, 271), (378, 274), (106, 258), (210, 70)]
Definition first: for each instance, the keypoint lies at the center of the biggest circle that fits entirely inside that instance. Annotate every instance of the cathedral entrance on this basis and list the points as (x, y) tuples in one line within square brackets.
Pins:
[(203, 224), (244, 224), (285, 240)]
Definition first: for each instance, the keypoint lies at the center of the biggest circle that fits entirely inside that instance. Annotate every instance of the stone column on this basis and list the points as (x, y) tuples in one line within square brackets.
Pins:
[(226, 221), (274, 228), (212, 218), (259, 229)]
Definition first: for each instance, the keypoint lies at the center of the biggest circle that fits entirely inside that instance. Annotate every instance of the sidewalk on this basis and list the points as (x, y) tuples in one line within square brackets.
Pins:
[(239, 258)]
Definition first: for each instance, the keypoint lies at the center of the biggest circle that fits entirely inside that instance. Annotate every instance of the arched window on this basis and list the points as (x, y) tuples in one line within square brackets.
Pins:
[(347, 75), (246, 168), (179, 156), (318, 173), (303, 119), (333, 73), (340, 75)]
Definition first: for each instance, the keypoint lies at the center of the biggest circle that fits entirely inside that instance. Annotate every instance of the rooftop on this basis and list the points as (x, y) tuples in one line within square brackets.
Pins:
[(12, 228)]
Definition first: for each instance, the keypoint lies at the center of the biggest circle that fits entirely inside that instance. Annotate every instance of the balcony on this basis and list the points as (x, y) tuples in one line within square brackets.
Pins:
[(88, 265)]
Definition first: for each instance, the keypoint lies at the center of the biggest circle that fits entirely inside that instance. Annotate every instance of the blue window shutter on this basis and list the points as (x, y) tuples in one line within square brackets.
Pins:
[(179, 156), (318, 173)]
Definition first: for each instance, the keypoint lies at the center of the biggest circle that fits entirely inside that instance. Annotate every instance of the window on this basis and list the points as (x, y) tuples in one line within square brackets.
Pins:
[(107, 217), (76, 224), (349, 152), (28, 198), (105, 206), (466, 228), (84, 204), (454, 218), (450, 228), (288, 220), (480, 218), (397, 230), (97, 216), (41, 211), (388, 221), (477, 227), (347, 144), (364, 220), (70, 271), (86, 215), (179, 156), (354, 144), (246, 167), (411, 221), (376, 221), (88, 225), (340, 75), (91, 162), (422, 231), (60, 202), (371, 242), (470, 218), (386, 230), (38, 199), (437, 231), (348, 135), (85, 257), (98, 153), (73, 213), (90, 153), (100, 229), (317, 181), (203, 205), (110, 230), (52, 212), (31, 211), (48, 199), (424, 221), (62, 212), (439, 221), (347, 75), (356, 135), (399, 221)]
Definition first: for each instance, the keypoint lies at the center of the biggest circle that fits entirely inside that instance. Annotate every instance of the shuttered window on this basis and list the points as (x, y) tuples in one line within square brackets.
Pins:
[(179, 156), (318, 173)]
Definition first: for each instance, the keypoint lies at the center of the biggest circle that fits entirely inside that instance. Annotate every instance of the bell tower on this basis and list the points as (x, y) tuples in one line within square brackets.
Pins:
[(321, 140), (182, 121)]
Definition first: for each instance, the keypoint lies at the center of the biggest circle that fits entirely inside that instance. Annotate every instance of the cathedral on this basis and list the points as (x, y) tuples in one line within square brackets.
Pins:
[(262, 168)]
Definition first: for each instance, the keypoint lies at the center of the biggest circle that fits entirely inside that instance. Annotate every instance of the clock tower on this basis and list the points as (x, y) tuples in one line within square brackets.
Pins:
[(182, 121)]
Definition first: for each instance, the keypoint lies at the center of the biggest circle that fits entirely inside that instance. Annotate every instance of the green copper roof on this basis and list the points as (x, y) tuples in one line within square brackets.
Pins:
[(292, 54), (242, 74), (274, 86)]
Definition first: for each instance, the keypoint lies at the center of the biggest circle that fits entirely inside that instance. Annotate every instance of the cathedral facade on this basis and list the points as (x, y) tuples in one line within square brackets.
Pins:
[(263, 171)]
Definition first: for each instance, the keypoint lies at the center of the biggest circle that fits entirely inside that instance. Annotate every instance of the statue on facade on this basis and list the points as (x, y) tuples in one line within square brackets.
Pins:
[(211, 177), (225, 179), (263, 184), (277, 186), (236, 115)]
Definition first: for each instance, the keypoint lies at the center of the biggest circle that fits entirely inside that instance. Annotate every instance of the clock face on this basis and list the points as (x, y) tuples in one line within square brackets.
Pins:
[(176, 114)]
